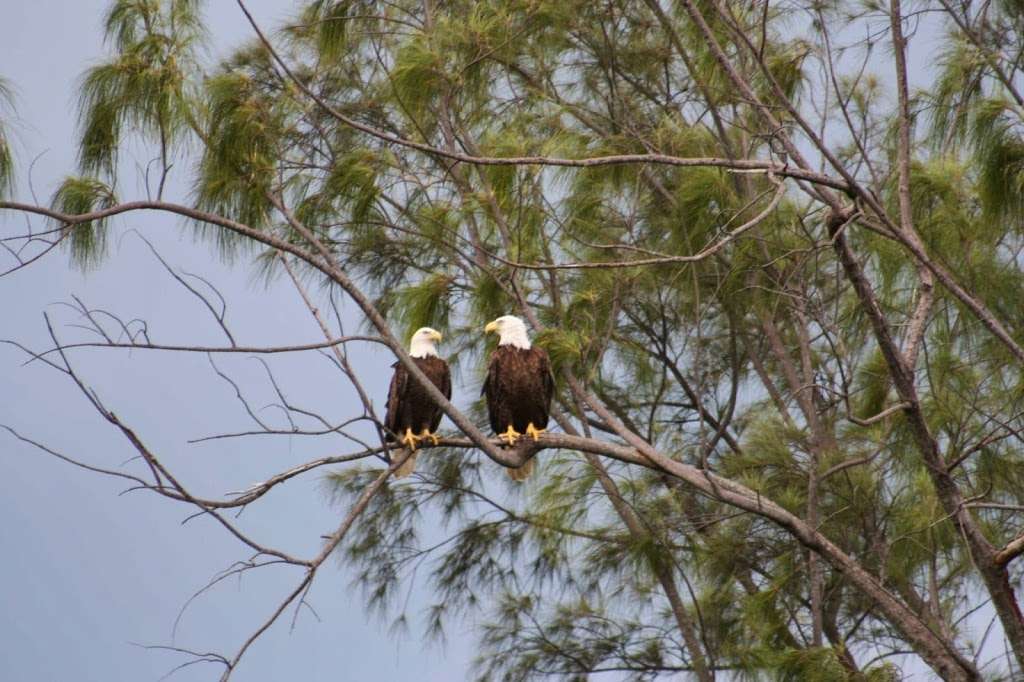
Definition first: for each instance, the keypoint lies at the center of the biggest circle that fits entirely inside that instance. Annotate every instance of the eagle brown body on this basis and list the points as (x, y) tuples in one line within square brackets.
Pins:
[(518, 388), (409, 406)]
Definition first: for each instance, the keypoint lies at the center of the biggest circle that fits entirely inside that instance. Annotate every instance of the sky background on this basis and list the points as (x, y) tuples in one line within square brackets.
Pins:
[(88, 572)]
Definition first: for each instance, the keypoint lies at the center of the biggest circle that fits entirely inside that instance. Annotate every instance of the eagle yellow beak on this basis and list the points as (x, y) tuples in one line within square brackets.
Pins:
[(491, 327), (436, 336)]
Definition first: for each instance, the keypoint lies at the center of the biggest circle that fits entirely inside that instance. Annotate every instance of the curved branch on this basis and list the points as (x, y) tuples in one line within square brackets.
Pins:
[(703, 254), (256, 350)]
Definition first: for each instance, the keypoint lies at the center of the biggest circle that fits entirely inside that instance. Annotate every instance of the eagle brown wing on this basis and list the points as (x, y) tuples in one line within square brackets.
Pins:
[(548, 381), (396, 393), (491, 390), (445, 385)]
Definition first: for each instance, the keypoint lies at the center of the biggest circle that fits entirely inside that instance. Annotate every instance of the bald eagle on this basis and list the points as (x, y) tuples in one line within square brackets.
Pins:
[(412, 415), (518, 387)]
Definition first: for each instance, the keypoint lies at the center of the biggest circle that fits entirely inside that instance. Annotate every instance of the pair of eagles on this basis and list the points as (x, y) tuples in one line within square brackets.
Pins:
[(518, 388)]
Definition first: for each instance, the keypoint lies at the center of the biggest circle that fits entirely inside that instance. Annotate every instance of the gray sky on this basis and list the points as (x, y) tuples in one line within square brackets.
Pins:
[(87, 570)]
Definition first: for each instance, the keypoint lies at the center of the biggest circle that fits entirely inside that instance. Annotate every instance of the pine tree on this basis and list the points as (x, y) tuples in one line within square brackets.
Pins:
[(778, 278)]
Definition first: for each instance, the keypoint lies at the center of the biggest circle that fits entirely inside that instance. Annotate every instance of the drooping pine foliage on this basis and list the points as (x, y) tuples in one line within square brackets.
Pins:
[(6, 156), (146, 86), (758, 362), (87, 241)]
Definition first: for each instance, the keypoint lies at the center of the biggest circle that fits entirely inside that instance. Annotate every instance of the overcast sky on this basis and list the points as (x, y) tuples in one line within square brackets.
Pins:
[(88, 571)]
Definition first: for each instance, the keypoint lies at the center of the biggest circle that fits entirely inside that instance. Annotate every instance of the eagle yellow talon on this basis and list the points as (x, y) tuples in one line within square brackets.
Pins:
[(533, 432), (511, 435), (432, 437), (410, 439)]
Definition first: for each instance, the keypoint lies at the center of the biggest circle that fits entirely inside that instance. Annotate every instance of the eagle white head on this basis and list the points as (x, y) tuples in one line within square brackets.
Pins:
[(511, 331), (422, 344)]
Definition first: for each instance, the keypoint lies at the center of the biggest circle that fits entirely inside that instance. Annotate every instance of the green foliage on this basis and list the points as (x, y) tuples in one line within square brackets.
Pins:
[(873, 386), (817, 663), (243, 130), (418, 77), (424, 304), (955, 92), (564, 347), (329, 21), (87, 240), (488, 298), (6, 156), (145, 87), (785, 62), (1000, 154)]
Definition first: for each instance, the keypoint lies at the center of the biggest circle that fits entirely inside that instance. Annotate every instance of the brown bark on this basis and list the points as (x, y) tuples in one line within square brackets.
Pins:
[(661, 571), (949, 495)]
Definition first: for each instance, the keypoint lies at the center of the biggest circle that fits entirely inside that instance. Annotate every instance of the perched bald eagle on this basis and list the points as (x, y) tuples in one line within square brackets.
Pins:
[(412, 416), (518, 387)]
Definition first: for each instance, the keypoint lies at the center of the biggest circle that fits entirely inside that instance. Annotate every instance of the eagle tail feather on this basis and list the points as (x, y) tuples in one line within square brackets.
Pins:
[(408, 466), (521, 473)]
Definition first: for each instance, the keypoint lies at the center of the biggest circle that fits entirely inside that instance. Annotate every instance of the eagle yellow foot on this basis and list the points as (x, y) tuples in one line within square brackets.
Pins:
[(511, 435), (410, 439), (432, 437), (533, 432)]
